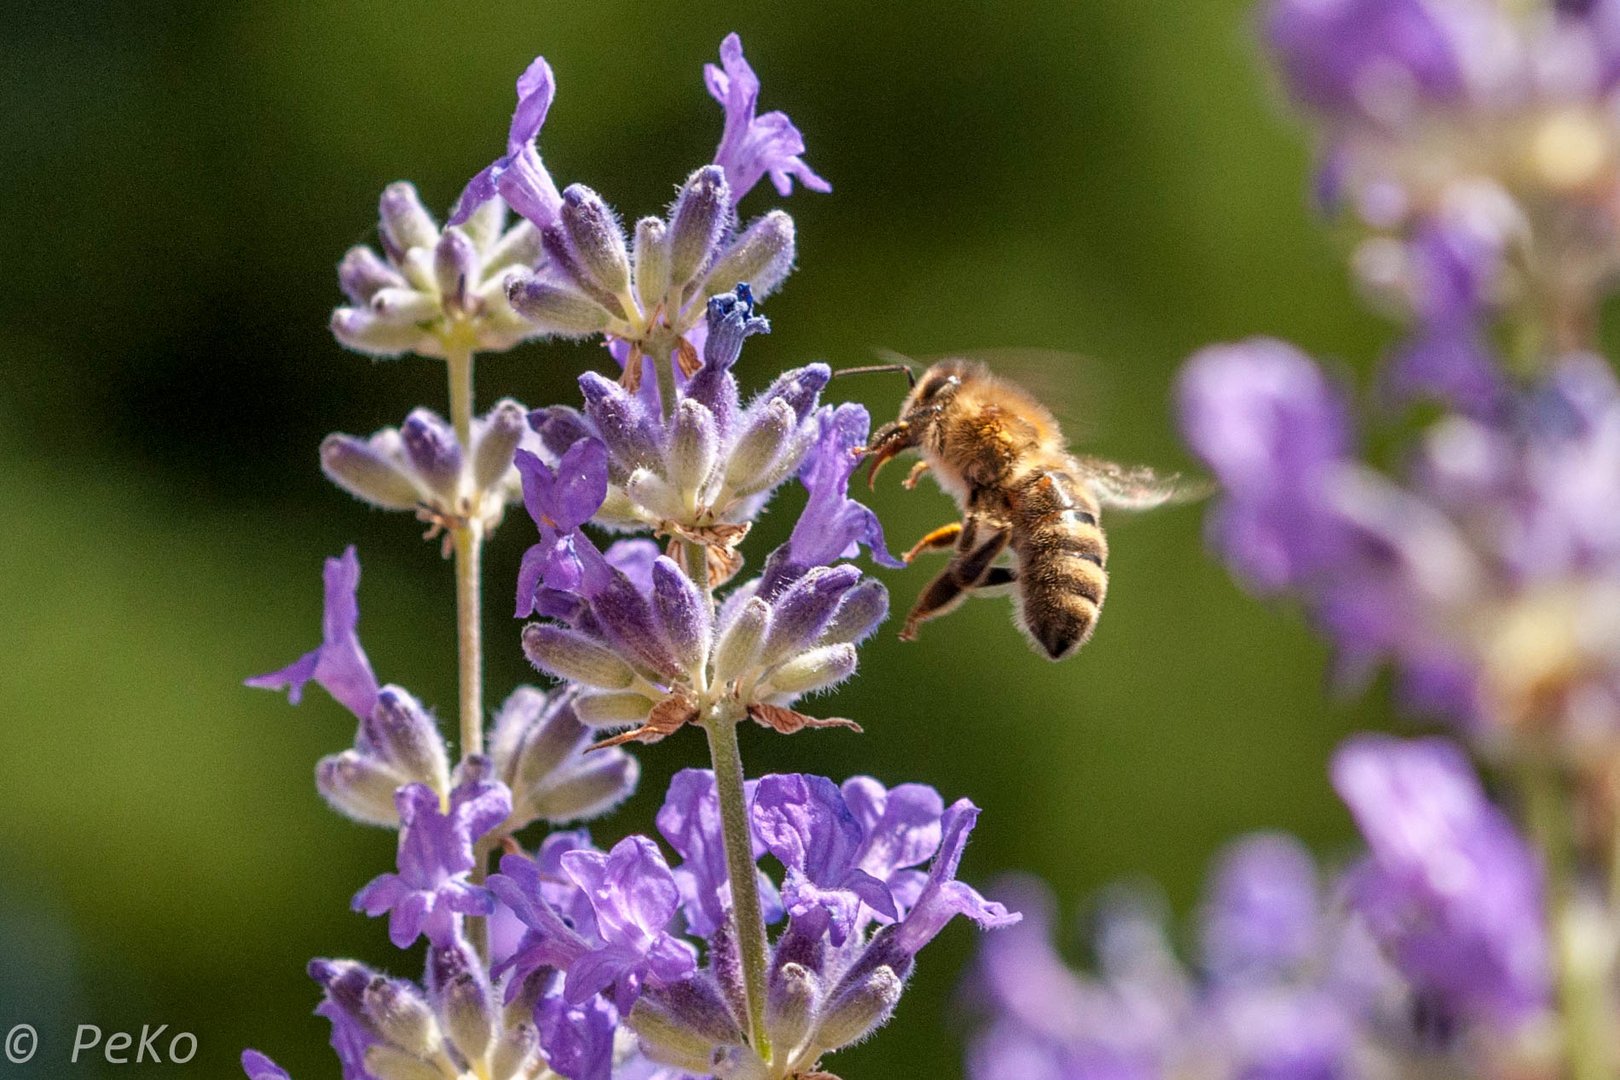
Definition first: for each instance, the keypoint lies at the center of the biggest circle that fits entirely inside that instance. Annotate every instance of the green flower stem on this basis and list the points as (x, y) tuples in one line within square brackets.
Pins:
[(746, 913), (467, 537), (1580, 977)]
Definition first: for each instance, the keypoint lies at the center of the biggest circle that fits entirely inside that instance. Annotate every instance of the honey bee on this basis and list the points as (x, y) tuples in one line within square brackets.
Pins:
[(1025, 499)]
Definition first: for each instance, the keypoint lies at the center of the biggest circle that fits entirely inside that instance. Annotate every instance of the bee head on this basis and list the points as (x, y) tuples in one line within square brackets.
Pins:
[(936, 387)]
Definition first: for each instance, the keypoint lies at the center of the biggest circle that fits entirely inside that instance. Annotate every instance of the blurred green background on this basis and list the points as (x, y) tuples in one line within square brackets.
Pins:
[(1106, 177)]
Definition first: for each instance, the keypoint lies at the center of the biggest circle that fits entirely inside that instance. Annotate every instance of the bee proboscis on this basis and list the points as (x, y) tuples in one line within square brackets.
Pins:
[(1031, 509)]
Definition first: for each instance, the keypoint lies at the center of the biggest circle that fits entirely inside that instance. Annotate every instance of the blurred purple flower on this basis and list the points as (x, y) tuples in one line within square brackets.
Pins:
[(259, 1067), (1275, 432), (1449, 887)]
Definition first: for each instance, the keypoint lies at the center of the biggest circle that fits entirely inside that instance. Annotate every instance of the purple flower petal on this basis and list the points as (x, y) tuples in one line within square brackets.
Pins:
[(634, 896), (943, 897), (833, 526), (435, 856), (259, 1067), (519, 176), (338, 664), (752, 146)]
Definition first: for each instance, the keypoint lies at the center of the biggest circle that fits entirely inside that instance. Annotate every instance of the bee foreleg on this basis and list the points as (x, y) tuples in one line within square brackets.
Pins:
[(942, 537), (945, 592), (914, 475)]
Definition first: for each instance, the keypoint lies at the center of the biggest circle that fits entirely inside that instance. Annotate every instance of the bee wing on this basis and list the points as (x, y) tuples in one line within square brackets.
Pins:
[(1075, 387), (1138, 487)]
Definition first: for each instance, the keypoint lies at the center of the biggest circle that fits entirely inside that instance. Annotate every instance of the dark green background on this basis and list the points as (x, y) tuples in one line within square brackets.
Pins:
[(1110, 178)]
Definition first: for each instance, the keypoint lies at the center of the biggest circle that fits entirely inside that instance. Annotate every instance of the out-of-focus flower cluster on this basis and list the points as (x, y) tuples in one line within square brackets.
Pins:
[(1425, 957), (1470, 545), (1490, 575), (1478, 142)]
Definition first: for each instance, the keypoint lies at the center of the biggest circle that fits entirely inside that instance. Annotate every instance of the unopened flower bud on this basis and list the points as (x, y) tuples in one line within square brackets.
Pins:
[(596, 237), (483, 226), (362, 274), (790, 1006), (345, 983), (405, 306), (801, 388), (660, 498), (404, 735), (570, 655), (859, 1010), (516, 1053), (559, 427), (760, 445), (495, 443), (612, 709), (803, 611), (694, 446), (738, 1063), (519, 246), (432, 449), (533, 736), (357, 466), (455, 268), (697, 222), (404, 222), (859, 613), (814, 670), (401, 1015), (761, 256), (468, 1015), (359, 787), (604, 782), (620, 421), (685, 1023), (386, 1063), (742, 641), (683, 614), (555, 309), (365, 331), (651, 262)]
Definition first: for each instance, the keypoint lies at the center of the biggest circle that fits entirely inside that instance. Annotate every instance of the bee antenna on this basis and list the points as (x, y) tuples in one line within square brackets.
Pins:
[(873, 369)]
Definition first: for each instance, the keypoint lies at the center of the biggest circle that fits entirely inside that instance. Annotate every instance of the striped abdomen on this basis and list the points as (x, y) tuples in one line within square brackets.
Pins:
[(1061, 554)]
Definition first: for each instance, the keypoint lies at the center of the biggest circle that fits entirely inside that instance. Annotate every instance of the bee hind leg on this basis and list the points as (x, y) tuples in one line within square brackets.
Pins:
[(966, 572), (943, 537)]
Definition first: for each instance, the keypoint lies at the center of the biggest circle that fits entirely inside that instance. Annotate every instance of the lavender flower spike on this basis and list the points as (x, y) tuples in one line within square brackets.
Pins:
[(753, 146), (435, 856), (338, 664)]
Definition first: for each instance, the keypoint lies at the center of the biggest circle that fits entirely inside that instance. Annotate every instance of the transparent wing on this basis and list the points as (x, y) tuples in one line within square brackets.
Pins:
[(1137, 487), (1075, 387)]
